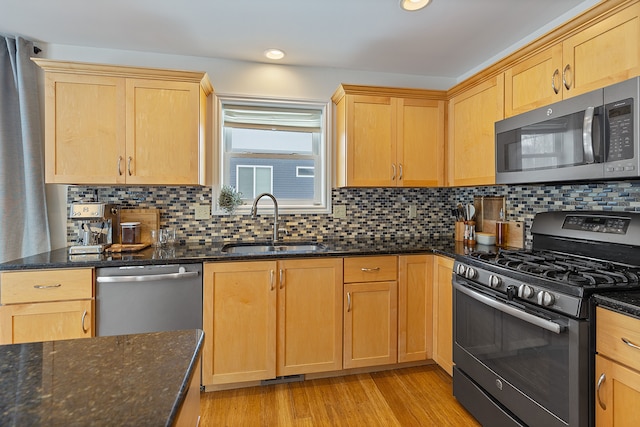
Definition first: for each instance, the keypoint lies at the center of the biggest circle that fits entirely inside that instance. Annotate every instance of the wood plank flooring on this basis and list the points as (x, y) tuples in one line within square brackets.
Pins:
[(418, 396)]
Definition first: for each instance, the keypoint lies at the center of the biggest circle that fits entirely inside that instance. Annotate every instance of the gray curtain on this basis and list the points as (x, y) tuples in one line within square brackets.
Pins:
[(24, 229)]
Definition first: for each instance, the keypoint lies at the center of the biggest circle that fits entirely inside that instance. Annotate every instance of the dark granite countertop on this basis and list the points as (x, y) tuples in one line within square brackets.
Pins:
[(128, 380), (192, 253), (627, 302)]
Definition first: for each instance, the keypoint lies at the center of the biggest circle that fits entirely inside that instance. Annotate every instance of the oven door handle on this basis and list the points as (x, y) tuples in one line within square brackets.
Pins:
[(505, 308)]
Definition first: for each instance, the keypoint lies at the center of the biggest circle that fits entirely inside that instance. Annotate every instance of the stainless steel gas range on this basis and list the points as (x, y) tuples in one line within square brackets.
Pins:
[(523, 342)]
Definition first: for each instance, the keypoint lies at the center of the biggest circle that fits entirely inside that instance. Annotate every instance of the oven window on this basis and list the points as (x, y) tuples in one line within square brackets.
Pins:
[(532, 359)]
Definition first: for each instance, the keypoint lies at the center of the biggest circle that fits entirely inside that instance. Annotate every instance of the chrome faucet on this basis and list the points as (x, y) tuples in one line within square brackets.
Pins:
[(254, 212)]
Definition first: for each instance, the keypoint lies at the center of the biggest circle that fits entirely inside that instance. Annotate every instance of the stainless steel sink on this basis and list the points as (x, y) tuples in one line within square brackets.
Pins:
[(257, 248)]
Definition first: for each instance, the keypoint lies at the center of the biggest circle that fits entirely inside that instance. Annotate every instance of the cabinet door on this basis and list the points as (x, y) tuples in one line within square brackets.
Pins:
[(443, 319), (534, 82), (605, 53), (472, 117), (370, 324), (84, 129), (47, 321), (415, 302), (239, 321), (617, 394), (309, 316), (371, 141), (163, 141), (420, 148)]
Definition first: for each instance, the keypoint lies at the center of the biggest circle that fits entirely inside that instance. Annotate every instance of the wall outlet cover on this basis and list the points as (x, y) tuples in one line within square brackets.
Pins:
[(203, 212), (339, 211)]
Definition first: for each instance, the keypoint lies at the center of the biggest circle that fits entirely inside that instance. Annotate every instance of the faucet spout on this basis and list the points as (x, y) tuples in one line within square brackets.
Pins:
[(254, 212)]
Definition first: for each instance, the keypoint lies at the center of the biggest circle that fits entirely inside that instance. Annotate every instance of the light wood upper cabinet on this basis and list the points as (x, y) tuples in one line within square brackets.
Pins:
[(124, 125), (415, 307), (617, 379), (604, 53), (385, 139), (443, 313), (472, 117), (45, 305), (534, 82)]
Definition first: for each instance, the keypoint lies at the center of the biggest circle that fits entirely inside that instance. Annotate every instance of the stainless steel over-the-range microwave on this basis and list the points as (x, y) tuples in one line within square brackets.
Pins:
[(588, 137)]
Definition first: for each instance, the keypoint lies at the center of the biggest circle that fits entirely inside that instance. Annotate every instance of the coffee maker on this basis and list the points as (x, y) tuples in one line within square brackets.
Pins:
[(98, 225)]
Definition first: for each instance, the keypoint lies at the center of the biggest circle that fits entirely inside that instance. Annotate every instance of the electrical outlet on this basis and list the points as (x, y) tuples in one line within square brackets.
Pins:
[(203, 211), (413, 212), (339, 211)]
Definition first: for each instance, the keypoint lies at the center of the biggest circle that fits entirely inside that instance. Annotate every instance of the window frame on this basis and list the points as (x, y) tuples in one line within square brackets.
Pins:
[(324, 181)]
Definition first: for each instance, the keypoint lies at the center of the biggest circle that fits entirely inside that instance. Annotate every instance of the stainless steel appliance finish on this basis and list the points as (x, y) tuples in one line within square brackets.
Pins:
[(151, 298), (97, 226), (522, 324), (590, 136)]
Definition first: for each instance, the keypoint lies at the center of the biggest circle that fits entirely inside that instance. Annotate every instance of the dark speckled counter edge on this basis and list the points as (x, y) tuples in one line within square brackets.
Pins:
[(213, 252), (184, 387), (626, 302)]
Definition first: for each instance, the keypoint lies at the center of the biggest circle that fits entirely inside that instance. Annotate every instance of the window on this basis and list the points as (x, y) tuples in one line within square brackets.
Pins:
[(275, 147)]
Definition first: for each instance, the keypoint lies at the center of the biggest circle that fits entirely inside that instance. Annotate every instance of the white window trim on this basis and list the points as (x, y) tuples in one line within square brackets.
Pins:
[(324, 207)]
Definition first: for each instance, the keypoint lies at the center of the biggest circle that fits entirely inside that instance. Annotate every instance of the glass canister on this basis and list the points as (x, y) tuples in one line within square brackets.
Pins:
[(130, 233)]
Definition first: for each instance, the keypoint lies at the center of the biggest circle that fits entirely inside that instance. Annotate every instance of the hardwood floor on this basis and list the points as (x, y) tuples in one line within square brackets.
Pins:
[(419, 396)]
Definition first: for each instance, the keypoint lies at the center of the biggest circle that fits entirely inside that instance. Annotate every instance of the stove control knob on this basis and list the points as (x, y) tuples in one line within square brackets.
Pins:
[(546, 299), (495, 281), (525, 291), (460, 269), (471, 273)]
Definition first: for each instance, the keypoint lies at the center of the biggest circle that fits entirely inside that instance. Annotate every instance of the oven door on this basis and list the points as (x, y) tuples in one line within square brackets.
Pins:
[(531, 364)]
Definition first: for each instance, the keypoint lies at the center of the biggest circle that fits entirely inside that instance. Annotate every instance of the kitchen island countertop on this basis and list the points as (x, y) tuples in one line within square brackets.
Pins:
[(106, 381), (207, 252)]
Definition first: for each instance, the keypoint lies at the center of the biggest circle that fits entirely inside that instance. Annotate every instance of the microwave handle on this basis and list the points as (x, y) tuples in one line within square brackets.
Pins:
[(587, 135)]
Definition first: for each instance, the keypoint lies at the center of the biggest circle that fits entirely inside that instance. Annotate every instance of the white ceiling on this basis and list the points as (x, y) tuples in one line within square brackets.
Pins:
[(447, 39)]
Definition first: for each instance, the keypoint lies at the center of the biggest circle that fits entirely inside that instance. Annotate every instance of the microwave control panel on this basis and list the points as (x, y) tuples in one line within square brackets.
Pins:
[(620, 128)]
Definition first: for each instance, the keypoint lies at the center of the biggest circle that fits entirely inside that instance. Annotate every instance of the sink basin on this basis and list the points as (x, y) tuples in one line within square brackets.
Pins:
[(257, 248)]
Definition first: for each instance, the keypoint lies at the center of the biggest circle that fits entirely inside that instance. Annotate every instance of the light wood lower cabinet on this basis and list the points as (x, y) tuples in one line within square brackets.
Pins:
[(265, 319), (309, 316), (239, 322), (617, 379), (442, 313), (370, 311), (45, 305), (415, 313)]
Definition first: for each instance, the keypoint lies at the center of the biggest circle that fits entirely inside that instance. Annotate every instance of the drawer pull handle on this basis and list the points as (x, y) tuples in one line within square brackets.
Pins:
[(370, 270), (57, 285), (84, 316), (600, 381), (348, 302), (629, 343)]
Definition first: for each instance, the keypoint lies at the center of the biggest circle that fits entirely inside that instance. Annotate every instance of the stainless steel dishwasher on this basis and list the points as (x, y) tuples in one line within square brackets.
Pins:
[(150, 298)]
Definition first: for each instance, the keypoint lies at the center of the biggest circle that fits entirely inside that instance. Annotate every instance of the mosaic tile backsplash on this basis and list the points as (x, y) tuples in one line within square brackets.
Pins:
[(371, 212)]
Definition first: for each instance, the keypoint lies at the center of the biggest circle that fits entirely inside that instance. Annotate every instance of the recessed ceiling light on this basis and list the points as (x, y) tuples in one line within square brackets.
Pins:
[(274, 53), (412, 5)]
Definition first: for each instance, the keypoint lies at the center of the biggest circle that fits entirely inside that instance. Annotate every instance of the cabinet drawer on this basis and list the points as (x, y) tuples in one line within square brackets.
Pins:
[(370, 269), (612, 330), (45, 285)]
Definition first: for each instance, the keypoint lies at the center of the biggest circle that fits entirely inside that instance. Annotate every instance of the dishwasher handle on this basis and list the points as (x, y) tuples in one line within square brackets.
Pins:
[(181, 274)]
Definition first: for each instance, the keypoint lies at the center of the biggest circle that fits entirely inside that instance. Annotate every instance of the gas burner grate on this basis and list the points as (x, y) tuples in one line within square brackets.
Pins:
[(563, 268)]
